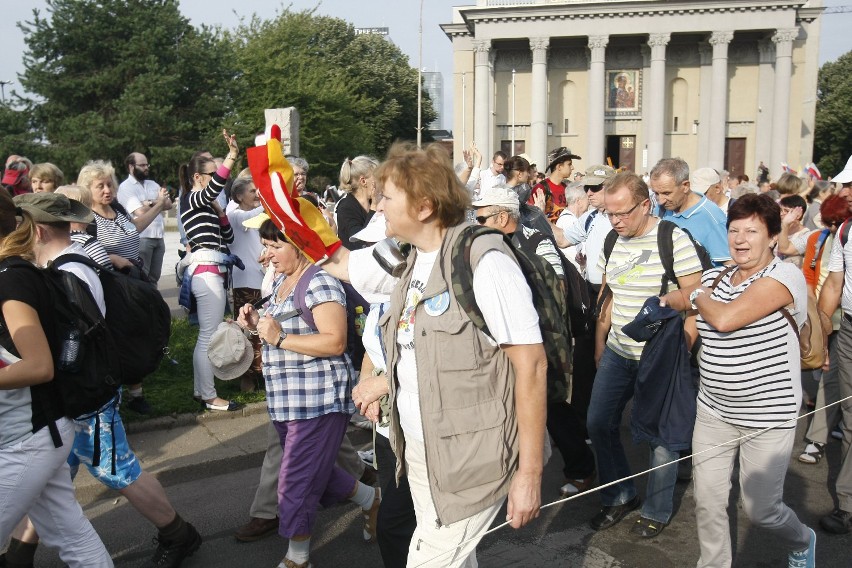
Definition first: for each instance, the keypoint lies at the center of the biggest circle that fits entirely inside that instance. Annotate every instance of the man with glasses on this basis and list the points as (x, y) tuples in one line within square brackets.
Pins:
[(138, 195), (493, 175), (632, 273)]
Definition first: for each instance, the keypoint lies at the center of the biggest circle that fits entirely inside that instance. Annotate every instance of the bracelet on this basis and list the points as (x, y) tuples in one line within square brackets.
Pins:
[(230, 157), (253, 332)]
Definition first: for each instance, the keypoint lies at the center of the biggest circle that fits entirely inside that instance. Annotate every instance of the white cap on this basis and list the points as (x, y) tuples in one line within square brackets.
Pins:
[(499, 195), (702, 178), (846, 175)]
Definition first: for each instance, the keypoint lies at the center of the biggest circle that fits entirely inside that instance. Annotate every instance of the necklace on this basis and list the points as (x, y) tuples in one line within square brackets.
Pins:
[(285, 290)]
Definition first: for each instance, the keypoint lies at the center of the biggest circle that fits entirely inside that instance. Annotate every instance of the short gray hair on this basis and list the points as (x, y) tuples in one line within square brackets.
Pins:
[(677, 168), (574, 192), (298, 162)]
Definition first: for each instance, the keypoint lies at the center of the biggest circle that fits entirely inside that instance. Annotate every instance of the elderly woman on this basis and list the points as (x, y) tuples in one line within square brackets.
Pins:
[(248, 247), (750, 380), (45, 177), (119, 234), (478, 435), (209, 232), (35, 438), (308, 386), (355, 209)]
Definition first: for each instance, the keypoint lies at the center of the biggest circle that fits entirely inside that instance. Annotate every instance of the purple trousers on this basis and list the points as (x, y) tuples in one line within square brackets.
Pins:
[(308, 475)]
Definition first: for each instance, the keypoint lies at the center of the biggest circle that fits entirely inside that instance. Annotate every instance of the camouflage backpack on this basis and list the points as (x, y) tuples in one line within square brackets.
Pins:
[(548, 299)]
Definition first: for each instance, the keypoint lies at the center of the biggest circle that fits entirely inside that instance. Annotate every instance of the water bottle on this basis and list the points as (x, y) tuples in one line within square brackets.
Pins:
[(360, 320), (68, 359)]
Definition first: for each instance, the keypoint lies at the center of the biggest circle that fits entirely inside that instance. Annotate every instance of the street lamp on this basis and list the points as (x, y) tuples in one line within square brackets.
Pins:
[(420, 83), (512, 147)]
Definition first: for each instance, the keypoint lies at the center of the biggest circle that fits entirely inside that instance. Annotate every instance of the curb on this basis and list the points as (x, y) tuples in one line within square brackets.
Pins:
[(191, 419)]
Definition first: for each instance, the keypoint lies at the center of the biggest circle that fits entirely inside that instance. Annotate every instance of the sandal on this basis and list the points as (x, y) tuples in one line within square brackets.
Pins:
[(371, 516), (813, 453), (646, 528)]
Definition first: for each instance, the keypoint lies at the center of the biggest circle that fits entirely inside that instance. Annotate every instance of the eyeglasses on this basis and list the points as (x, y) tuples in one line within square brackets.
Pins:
[(627, 213), (481, 219), (302, 175), (142, 165), (206, 173), (594, 188)]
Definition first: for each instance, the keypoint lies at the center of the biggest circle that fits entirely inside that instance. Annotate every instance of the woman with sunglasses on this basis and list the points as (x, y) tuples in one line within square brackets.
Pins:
[(208, 233)]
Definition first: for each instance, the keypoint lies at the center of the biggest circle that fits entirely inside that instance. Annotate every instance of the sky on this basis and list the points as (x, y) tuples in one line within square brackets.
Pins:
[(400, 16)]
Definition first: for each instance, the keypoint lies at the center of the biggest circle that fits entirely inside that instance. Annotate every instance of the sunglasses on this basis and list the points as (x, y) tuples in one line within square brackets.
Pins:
[(594, 188), (481, 219)]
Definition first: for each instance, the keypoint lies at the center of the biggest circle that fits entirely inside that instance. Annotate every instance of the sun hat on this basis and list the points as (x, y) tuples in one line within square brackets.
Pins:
[(53, 208), (499, 195), (560, 154), (230, 352)]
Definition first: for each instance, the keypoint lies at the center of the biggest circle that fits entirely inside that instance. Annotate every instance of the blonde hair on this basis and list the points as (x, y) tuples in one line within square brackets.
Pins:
[(353, 169), (47, 171), (77, 193), (428, 175), (16, 239), (95, 170)]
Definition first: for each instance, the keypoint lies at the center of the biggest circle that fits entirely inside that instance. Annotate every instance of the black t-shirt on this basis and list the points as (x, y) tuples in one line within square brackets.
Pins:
[(351, 218), (26, 285)]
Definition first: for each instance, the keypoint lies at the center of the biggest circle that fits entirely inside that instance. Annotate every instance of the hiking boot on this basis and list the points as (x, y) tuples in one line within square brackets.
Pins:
[(611, 514), (838, 522), (812, 453), (172, 554), (139, 405), (804, 558), (256, 529)]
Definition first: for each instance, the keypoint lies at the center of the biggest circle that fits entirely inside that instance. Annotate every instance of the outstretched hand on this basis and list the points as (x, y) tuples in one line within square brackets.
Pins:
[(231, 141)]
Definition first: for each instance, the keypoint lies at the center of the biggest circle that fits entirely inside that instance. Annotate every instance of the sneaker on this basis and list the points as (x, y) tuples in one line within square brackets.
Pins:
[(611, 515), (367, 456), (577, 486), (371, 516), (287, 563), (804, 558), (139, 405), (813, 453), (172, 554), (256, 529), (838, 522)]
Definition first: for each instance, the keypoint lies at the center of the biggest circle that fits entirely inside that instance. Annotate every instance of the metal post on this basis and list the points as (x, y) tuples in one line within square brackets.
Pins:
[(420, 83), (512, 147)]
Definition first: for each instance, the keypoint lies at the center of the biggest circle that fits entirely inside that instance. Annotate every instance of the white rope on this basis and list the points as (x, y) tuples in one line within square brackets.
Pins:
[(617, 481)]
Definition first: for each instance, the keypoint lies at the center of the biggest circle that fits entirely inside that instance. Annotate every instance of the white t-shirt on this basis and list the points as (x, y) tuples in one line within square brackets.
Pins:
[(131, 194), (841, 257), (503, 296)]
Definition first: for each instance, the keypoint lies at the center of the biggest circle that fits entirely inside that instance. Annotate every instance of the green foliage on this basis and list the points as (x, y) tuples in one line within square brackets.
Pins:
[(833, 135), (115, 76), (355, 94)]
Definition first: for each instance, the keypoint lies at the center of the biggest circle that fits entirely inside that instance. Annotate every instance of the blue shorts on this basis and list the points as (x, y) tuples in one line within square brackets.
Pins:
[(127, 468)]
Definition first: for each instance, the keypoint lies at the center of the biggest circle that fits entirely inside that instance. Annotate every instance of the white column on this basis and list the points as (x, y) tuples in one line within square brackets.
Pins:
[(783, 40), (595, 143), (718, 99), (481, 100), (656, 111), (538, 100)]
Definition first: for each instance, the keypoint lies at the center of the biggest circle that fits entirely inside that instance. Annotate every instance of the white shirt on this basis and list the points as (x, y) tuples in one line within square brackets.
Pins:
[(841, 261), (488, 179), (132, 194)]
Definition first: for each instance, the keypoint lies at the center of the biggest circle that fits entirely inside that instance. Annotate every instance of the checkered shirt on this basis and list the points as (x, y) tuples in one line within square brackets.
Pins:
[(300, 386)]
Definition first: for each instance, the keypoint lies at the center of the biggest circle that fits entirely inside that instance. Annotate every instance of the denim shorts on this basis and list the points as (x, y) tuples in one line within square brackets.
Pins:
[(127, 468)]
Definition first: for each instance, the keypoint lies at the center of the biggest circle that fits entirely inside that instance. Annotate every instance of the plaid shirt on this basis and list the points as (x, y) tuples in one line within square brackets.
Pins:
[(300, 386)]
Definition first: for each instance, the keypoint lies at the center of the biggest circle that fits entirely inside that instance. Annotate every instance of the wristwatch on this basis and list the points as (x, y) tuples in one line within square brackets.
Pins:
[(695, 294), (281, 337)]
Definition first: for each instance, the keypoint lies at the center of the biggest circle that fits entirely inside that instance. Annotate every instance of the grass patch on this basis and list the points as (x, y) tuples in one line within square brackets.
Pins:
[(169, 389)]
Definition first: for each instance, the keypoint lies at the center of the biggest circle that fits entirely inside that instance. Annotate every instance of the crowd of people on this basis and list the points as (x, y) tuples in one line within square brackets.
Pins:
[(699, 283)]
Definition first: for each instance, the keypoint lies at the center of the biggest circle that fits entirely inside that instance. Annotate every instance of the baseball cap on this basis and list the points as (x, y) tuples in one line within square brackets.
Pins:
[(53, 208), (596, 175), (702, 178), (499, 195), (844, 176)]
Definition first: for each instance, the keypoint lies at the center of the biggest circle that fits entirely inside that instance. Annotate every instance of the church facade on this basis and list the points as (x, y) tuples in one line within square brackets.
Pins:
[(719, 83)]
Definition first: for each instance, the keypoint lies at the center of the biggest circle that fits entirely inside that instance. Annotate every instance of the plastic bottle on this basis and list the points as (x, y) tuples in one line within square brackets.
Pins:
[(360, 320), (70, 350)]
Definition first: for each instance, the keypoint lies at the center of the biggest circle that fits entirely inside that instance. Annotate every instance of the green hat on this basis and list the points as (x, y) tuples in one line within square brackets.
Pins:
[(53, 208)]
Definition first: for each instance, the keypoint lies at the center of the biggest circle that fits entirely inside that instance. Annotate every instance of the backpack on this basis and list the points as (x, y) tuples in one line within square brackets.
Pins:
[(354, 316), (548, 300), (577, 299), (87, 372), (665, 246), (812, 338), (138, 319)]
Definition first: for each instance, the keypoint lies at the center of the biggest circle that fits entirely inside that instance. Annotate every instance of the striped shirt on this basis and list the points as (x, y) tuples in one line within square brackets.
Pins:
[(634, 273), (93, 248), (200, 221), (751, 377), (118, 236), (300, 386)]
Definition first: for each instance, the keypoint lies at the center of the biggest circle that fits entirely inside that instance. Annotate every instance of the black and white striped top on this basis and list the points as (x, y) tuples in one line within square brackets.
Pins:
[(751, 377), (119, 235), (93, 248), (200, 221)]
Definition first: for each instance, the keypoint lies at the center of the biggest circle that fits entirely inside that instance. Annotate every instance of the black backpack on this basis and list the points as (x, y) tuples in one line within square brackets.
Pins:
[(137, 317), (547, 297), (665, 246), (577, 300), (354, 300), (87, 372)]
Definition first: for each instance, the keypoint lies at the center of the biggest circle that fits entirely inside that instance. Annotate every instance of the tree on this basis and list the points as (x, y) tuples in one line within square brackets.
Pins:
[(833, 132), (355, 94), (112, 77)]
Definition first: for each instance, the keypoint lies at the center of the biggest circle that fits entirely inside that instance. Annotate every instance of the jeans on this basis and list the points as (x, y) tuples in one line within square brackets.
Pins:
[(209, 292), (613, 388)]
